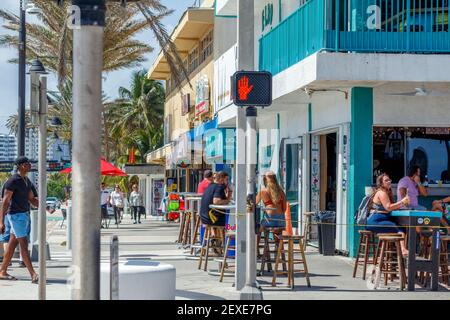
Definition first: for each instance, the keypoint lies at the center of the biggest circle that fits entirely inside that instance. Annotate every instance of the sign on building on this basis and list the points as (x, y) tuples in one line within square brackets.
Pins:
[(252, 88), (201, 96)]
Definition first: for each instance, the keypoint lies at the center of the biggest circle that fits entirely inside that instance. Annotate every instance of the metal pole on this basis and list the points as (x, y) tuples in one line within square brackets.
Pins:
[(114, 269), (245, 62), (251, 290), (69, 225), (87, 110), (42, 220), (22, 75)]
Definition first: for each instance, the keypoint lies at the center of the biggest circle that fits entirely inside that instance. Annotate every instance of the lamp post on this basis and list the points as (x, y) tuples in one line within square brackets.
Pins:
[(24, 8), (38, 106)]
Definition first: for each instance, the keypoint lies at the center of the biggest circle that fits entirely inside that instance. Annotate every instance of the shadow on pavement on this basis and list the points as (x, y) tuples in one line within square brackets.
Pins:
[(196, 295)]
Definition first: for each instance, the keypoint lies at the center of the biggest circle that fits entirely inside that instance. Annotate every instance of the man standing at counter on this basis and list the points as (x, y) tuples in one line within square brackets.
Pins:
[(411, 186)]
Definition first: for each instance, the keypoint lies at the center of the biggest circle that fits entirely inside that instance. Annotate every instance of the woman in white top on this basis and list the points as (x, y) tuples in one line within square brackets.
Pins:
[(136, 204), (117, 201)]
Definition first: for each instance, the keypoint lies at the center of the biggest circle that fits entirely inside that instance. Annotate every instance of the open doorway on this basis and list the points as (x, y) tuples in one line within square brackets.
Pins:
[(328, 172)]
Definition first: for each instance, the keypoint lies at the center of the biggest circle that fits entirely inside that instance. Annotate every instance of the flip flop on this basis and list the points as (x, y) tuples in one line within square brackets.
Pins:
[(8, 277), (35, 280)]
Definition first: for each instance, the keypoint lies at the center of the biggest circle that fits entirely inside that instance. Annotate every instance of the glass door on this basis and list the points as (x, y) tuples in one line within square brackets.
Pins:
[(292, 169)]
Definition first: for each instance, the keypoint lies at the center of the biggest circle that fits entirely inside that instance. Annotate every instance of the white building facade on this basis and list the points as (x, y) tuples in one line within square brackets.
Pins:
[(359, 88)]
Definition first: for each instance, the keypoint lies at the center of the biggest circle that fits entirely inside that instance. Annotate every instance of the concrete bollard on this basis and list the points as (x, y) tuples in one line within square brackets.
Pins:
[(140, 280)]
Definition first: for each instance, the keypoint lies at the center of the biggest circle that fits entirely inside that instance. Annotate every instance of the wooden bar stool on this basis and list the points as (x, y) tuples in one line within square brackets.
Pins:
[(182, 222), (195, 241), (425, 242), (230, 235), (266, 257), (292, 261), (391, 260), (366, 248), (187, 228), (307, 227), (443, 259), (211, 242)]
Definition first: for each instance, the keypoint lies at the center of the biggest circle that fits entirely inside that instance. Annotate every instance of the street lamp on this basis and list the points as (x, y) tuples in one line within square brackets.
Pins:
[(25, 7), (38, 106)]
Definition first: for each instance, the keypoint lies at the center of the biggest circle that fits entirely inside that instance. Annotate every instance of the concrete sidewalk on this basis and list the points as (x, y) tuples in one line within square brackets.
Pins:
[(331, 277)]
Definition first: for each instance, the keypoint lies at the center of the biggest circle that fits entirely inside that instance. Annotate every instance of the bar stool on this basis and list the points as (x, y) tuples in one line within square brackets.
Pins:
[(208, 244), (187, 228), (230, 235), (307, 228), (366, 248), (391, 260), (266, 256), (195, 240), (292, 261), (182, 223), (425, 243), (443, 259)]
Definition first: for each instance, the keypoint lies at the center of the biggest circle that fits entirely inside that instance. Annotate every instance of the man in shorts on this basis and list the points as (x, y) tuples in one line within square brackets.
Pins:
[(18, 195)]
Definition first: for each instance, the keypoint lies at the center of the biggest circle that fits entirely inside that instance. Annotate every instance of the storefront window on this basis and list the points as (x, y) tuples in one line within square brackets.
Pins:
[(397, 149)]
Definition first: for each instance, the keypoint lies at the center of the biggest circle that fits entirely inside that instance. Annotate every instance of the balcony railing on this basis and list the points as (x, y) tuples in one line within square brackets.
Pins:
[(390, 26)]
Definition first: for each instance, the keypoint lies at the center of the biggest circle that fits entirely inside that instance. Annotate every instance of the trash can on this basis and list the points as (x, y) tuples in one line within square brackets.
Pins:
[(326, 232)]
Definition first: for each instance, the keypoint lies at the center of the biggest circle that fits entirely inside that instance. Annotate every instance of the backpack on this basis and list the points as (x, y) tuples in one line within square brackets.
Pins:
[(363, 212)]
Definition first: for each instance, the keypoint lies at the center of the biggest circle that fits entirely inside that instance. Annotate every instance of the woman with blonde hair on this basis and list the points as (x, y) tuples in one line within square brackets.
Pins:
[(274, 199)]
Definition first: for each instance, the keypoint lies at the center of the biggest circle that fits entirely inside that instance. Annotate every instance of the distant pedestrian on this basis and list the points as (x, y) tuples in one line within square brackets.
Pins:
[(117, 200), (15, 215), (207, 180), (136, 204), (105, 201)]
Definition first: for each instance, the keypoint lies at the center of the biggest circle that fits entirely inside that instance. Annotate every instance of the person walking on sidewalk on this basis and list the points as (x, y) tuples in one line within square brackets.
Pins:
[(117, 200), (136, 204), (19, 193), (105, 201)]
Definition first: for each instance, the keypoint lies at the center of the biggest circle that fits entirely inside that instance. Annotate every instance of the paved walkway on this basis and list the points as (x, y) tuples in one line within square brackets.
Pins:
[(155, 240)]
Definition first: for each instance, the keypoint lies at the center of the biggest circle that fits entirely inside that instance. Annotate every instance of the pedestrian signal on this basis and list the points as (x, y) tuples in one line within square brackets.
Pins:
[(252, 88)]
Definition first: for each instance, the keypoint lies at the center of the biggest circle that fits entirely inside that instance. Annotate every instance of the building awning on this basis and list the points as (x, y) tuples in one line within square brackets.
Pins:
[(194, 23), (159, 156)]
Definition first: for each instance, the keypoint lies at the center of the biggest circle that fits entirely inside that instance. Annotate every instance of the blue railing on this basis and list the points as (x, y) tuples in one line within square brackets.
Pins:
[(393, 26)]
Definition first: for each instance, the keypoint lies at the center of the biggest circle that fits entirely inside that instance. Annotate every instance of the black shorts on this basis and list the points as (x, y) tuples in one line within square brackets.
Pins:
[(104, 210), (220, 222)]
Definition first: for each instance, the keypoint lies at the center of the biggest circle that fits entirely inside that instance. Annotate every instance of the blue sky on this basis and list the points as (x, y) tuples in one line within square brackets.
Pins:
[(113, 80)]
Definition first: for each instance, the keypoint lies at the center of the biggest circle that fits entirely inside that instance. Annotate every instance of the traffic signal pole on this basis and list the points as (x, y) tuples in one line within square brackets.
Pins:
[(246, 164), (87, 109)]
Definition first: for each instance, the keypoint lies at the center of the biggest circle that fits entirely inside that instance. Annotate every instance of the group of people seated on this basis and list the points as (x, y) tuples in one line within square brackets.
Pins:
[(408, 190), (216, 190)]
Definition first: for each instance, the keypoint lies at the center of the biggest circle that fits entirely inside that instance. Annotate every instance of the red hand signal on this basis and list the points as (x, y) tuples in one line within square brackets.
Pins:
[(243, 88)]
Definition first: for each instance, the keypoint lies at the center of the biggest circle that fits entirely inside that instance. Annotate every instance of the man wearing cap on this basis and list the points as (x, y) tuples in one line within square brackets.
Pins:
[(15, 215), (207, 180)]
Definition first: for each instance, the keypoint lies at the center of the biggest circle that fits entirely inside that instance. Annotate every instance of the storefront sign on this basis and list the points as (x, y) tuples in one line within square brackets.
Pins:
[(185, 104), (267, 16), (201, 96)]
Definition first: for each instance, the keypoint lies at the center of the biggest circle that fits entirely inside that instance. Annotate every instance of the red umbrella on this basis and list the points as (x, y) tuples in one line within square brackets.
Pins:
[(106, 169)]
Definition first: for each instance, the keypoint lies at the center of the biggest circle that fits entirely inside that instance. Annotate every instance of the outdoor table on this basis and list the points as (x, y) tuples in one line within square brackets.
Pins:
[(413, 219), (225, 209)]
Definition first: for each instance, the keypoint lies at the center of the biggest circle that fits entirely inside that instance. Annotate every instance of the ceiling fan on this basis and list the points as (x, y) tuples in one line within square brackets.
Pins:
[(421, 92)]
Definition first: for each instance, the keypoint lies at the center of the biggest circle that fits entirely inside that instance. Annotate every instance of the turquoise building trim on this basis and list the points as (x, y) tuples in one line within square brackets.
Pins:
[(332, 26), (309, 117), (360, 169)]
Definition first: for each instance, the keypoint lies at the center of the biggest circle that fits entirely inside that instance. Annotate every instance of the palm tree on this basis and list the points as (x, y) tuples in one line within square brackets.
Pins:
[(50, 40), (136, 118)]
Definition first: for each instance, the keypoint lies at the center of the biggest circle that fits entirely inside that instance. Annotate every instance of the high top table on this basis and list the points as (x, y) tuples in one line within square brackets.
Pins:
[(427, 219), (192, 203)]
